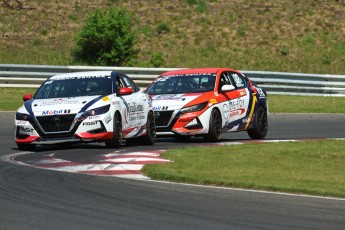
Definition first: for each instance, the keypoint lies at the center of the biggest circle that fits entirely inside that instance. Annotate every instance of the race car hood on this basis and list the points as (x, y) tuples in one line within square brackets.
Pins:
[(172, 101), (54, 106)]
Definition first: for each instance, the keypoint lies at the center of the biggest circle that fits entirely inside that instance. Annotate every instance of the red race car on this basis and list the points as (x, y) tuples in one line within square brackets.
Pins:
[(208, 102)]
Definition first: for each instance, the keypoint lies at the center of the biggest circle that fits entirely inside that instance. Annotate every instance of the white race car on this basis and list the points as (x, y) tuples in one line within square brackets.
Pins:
[(101, 106), (207, 102)]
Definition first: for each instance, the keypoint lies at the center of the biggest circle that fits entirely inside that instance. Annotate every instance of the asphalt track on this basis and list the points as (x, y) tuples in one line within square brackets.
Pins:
[(32, 198)]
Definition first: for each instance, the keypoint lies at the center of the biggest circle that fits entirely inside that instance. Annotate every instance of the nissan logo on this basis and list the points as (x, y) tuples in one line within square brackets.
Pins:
[(57, 121)]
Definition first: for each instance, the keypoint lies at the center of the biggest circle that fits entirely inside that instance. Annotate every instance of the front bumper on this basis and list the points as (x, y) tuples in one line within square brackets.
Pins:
[(196, 123), (87, 130)]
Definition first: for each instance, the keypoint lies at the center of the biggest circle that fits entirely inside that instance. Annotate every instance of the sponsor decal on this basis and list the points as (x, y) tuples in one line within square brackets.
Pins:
[(238, 81), (161, 79), (137, 117), (213, 101), (189, 74), (21, 122), (237, 112), (94, 117), (233, 108), (90, 123), (107, 119), (23, 130), (106, 98), (260, 92), (176, 97), (115, 103), (86, 77), (237, 103), (160, 108), (59, 102), (54, 112), (135, 107)]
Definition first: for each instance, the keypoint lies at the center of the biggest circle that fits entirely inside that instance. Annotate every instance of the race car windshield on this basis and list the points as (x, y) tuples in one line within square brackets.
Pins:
[(182, 84), (75, 87)]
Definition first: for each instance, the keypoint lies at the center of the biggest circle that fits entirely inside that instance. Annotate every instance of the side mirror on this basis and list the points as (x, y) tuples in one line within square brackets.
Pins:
[(125, 91), (226, 88), (27, 97)]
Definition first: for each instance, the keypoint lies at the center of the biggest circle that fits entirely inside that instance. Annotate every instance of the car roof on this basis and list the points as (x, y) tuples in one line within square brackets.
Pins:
[(82, 74), (196, 71)]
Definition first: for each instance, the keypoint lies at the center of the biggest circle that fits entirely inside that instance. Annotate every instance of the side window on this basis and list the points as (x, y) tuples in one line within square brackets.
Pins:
[(119, 83), (224, 80), (238, 80), (129, 83)]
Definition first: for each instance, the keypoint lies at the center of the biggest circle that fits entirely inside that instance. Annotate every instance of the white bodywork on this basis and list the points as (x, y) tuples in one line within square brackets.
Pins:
[(86, 126)]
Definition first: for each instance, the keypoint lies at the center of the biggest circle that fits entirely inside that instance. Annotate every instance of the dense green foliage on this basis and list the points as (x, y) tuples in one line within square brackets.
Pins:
[(106, 38)]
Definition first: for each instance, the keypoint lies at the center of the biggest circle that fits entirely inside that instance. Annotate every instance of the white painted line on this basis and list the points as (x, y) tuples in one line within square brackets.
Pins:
[(154, 154), (250, 190), (99, 167), (136, 159), (129, 176), (48, 161)]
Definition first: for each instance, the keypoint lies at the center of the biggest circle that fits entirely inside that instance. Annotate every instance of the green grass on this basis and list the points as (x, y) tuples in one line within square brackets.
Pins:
[(315, 167), (305, 104), (274, 35), (12, 98)]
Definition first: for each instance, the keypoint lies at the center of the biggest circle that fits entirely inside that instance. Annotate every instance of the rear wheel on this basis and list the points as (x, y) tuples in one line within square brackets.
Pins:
[(215, 129), (116, 141), (27, 147), (150, 136), (261, 124)]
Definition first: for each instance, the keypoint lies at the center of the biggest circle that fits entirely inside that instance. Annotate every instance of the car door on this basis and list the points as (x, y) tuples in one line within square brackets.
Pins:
[(137, 105), (236, 101)]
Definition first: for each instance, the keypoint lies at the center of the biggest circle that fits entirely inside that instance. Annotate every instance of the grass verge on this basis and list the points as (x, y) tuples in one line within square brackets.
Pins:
[(315, 167), (305, 104), (11, 99)]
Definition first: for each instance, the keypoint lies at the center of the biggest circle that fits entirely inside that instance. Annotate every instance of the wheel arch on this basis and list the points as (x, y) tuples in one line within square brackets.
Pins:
[(262, 103), (218, 110)]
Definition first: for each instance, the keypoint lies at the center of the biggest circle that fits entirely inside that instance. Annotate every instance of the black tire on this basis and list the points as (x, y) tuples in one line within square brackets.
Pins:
[(215, 128), (27, 147), (261, 124), (116, 141), (150, 137)]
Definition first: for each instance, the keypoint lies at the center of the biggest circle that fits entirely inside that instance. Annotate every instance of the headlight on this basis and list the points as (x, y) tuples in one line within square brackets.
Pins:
[(23, 117), (93, 112), (194, 108), (97, 111)]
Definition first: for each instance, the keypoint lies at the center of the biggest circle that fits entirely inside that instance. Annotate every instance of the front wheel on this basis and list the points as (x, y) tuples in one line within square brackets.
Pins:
[(116, 141), (150, 136), (261, 124), (215, 127)]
